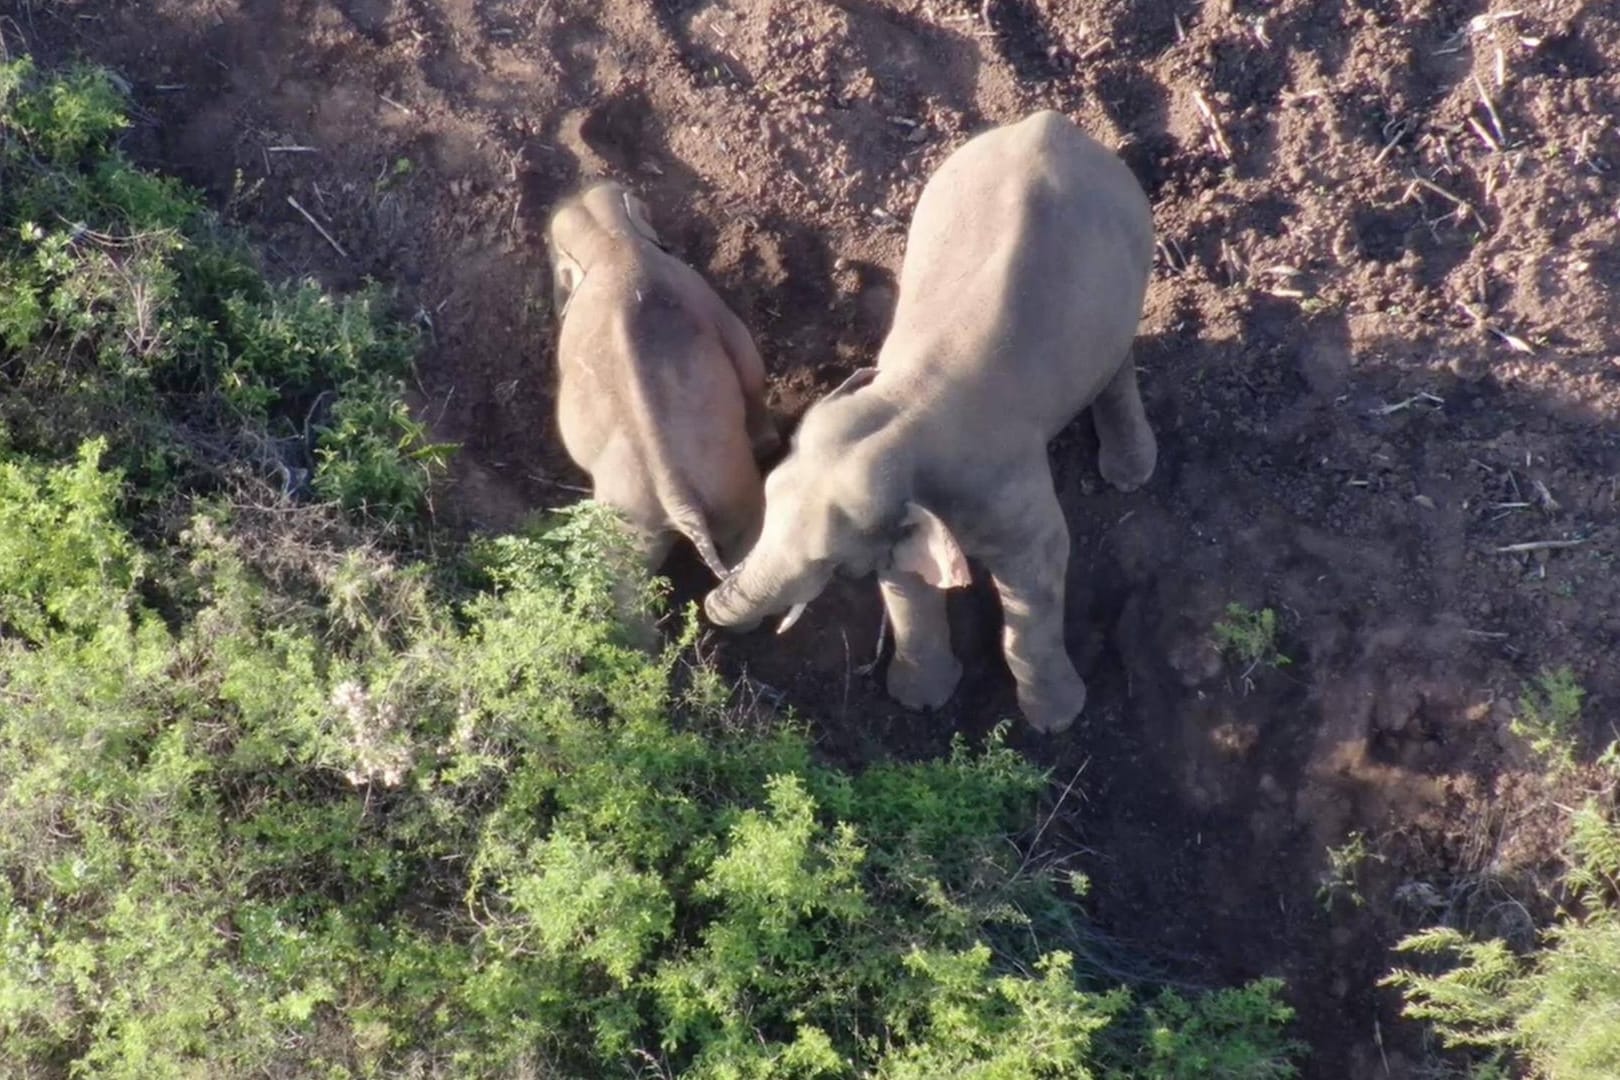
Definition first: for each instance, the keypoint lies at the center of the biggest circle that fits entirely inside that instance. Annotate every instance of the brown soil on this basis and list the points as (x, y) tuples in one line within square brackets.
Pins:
[(1362, 230)]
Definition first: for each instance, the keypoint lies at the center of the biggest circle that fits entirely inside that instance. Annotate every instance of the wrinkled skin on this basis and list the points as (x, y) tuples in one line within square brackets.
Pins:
[(662, 393), (1026, 267)]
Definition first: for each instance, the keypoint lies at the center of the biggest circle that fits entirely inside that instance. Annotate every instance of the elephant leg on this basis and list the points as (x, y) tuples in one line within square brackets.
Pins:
[(923, 671), (1030, 566), (1127, 448)]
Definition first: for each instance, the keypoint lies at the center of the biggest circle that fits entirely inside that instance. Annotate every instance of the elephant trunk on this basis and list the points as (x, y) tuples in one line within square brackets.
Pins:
[(756, 589), (732, 602)]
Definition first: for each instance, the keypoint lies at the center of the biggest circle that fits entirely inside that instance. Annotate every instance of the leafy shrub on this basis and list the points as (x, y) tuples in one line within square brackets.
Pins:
[(1251, 636), (1556, 1011), (362, 830), (1549, 717), (63, 565), (126, 312)]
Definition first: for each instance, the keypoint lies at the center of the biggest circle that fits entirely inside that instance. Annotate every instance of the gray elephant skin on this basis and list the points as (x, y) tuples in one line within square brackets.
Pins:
[(661, 395), (1025, 271)]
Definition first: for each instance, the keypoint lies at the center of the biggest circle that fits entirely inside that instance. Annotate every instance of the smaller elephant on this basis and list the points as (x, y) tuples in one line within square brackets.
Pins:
[(662, 392), (1025, 271)]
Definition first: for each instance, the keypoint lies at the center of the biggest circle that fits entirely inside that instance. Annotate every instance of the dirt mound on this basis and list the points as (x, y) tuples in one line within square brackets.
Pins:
[(1382, 343)]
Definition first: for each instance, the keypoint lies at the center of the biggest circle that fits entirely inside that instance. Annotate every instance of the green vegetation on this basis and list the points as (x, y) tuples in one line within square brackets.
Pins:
[(126, 314), (1250, 636), (290, 784), (1555, 1012), (1341, 878), (1549, 717)]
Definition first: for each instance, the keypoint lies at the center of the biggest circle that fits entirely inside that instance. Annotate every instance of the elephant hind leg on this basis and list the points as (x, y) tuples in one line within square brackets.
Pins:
[(1127, 449), (1030, 567)]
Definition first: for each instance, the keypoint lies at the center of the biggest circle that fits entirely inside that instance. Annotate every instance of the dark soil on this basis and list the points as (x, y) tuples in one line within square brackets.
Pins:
[(1383, 340)]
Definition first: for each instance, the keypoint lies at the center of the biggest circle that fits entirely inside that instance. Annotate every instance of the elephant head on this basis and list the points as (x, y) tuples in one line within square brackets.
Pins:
[(842, 501), (580, 224)]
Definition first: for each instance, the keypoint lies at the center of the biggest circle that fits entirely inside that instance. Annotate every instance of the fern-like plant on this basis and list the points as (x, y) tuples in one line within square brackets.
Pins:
[(1557, 1011)]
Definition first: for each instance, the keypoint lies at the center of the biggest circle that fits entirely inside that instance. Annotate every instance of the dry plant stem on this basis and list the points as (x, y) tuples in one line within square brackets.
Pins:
[(1400, 133), (1462, 205), (1391, 410), (337, 247), (1490, 109), (1214, 124), (1484, 136), (1538, 545)]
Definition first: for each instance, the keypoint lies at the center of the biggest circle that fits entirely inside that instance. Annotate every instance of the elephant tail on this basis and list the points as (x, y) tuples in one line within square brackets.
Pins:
[(688, 520)]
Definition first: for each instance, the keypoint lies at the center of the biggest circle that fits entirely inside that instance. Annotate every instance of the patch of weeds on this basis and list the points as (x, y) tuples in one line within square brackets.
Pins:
[(395, 174), (1211, 1037), (1340, 880), (1251, 637), (1549, 717), (1609, 760)]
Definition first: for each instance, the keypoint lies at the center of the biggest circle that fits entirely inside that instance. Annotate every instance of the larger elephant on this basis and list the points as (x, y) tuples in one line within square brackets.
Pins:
[(1025, 271)]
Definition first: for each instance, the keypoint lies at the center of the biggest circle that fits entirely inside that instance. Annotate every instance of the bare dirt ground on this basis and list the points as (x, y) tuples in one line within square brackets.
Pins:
[(1382, 341)]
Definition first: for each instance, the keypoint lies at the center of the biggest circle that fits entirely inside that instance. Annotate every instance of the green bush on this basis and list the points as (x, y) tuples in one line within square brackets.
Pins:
[(1251, 636), (1556, 1011), (1549, 717), (362, 830), (126, 312)]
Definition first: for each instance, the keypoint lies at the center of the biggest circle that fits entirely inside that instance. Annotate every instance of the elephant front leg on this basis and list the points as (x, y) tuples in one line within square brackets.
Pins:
[(1030, 572), (923, 672)]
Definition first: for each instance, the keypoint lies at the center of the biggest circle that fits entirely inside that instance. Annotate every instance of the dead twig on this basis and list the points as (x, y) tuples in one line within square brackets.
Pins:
[(1490, 110), (1484, 136), (1424, 398), (1215, 131), (1517, 344), (292, 202), (1399, 128), (1538, 545), (1035, 843), (406, 109), (1463, 205)]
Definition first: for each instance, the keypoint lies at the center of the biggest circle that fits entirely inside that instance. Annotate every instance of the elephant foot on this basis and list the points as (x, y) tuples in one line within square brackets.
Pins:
[(1130, 467), (1051, 705), (926, 684)]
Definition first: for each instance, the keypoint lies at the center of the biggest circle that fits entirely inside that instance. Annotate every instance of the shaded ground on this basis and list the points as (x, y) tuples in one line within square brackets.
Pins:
[(1358, 205)]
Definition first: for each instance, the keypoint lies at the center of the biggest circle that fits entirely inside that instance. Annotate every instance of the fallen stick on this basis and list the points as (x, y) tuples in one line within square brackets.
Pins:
[(292, 202), (1538, 545), (1214, 124)]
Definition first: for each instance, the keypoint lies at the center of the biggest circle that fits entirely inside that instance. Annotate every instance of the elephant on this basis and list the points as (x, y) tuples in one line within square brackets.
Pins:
[(661, 395), (1023, 280)]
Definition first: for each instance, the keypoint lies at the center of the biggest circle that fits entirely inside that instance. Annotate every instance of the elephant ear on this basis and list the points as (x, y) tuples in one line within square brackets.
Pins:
[(567, 275), (636, 211), (929, 550)]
